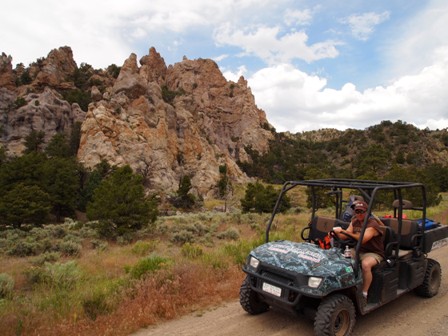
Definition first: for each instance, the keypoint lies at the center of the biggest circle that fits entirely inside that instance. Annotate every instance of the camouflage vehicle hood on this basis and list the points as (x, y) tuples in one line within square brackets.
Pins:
[(309, 260)]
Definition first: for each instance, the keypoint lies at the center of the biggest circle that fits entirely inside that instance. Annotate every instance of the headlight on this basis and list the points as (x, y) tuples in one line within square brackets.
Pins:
[(314, 282), (254, 262)]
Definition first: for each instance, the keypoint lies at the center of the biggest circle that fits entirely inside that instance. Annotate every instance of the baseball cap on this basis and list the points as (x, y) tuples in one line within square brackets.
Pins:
[(360, 205)]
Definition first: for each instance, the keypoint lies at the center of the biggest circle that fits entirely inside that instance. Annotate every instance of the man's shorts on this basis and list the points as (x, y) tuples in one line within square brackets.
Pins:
[(376, 256)]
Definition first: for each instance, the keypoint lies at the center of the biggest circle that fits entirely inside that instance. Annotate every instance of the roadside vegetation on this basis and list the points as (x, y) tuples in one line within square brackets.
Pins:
[(65, 279), (115, 259)]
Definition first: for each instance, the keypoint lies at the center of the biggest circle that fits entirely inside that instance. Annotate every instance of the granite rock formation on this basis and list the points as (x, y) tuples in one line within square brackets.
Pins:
[(164, 121)]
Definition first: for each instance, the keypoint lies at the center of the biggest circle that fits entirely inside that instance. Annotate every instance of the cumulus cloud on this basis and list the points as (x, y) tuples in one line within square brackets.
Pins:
[(363, 25), (273, 47), (296, 101), (275, 34), (298, 17), (420, 42), (234, 75), (101, 32)]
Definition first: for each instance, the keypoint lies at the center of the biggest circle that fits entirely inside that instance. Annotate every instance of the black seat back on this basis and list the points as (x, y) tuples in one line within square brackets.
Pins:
[(409, 235), (319, 227)]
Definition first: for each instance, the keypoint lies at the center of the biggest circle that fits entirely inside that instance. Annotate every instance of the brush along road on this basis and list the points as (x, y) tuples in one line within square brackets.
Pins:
[(409, 315)]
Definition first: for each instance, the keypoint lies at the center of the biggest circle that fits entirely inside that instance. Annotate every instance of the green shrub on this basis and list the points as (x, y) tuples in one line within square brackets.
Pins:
[(95, 304), (20, 101), (168, 95), (230, 233), (69, 248), (6, 286), (82, 98), (88, 230), (142, 248), (147, 265), (39, 233), (47, 257), (191, 251), (239, 251), (23, 249), (61, 275), (35, 275), (99, 245), (216, 260), (182, 237), (56, 231)]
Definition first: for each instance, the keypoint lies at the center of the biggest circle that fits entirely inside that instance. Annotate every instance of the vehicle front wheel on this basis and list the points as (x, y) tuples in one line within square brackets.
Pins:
[(335, 316), (432, 280), (250, 300)]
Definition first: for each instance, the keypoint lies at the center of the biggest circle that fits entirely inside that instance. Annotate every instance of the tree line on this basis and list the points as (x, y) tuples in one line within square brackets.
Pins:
[(388, 151), (50, 184)]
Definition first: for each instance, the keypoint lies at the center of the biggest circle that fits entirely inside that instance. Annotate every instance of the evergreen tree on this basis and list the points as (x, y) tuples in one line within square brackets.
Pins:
[(34, 141), (25, 169), (120, 202), (259, 198), (184, 198), (58, 146), (3, 156), (24, 204), (75, 138), (223, 183), (60, 181)]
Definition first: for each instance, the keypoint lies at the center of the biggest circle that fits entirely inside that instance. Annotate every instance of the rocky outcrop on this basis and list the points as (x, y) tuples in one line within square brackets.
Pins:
[(57, 69), (46, 111), (165, 122), (168, 122), (7, 77)]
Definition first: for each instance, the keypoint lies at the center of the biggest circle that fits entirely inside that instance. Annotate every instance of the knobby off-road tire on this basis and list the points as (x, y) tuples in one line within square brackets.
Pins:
[(336, 316), (250, 300), (432, 280)]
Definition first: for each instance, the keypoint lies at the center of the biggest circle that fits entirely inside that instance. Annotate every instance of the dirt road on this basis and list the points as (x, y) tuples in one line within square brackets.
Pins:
[(409, 315)]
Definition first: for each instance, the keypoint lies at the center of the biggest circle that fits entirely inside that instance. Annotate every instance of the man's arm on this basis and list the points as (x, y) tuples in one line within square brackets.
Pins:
[(369, 234), (341, 232)]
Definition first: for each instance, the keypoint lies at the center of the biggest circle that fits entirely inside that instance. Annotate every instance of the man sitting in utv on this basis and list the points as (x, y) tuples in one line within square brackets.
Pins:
[(371, 252)]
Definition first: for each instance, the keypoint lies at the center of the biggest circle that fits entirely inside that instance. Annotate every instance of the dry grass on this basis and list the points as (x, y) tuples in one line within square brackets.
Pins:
[(167, 295), (107, 300)]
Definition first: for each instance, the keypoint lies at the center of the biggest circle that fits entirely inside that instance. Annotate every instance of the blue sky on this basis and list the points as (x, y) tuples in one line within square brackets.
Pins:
[(310, 64)]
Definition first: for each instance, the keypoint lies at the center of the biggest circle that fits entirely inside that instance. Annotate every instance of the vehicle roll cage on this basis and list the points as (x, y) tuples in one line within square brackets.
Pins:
[(366, 188)]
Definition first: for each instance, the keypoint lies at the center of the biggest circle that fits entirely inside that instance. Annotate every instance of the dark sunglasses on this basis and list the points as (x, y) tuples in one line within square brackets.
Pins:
[(359, 211)]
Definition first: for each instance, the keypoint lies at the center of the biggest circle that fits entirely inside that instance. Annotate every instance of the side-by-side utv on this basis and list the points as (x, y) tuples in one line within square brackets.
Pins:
[(318, 280)]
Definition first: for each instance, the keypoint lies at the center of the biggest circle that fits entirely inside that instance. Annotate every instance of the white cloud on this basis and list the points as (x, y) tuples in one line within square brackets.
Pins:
[(416, 43), (270, 32), (362, 26), (270, 45), (234, 76), (298, 17), (296, 101)]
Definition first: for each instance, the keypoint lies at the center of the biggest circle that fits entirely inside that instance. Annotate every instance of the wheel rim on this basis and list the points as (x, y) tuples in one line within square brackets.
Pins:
[(341, 323)]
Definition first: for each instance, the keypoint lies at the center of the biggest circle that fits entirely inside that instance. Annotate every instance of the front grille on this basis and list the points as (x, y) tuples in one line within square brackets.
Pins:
[(277, 278)]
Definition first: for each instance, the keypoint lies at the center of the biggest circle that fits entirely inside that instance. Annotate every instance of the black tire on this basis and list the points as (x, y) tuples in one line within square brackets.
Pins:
[(432, 280), (250, 300), (336, 316)]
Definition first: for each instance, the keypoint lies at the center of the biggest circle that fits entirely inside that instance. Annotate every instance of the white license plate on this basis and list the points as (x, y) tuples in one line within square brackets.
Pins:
[(268, 288)]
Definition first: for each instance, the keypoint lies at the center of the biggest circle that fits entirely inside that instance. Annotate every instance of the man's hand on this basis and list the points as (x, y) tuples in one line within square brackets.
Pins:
[(337, 229)]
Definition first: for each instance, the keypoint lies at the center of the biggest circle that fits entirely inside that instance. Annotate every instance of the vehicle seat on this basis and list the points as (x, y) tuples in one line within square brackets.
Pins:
[(410, 233), (390, 243), (319, 227)]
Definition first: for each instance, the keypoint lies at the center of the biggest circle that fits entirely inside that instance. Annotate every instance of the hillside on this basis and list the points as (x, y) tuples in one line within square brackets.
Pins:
[(381, 151), (186, 119)]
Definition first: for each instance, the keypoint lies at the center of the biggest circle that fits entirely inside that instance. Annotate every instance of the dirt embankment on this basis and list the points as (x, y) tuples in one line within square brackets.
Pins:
[(409, 315)]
